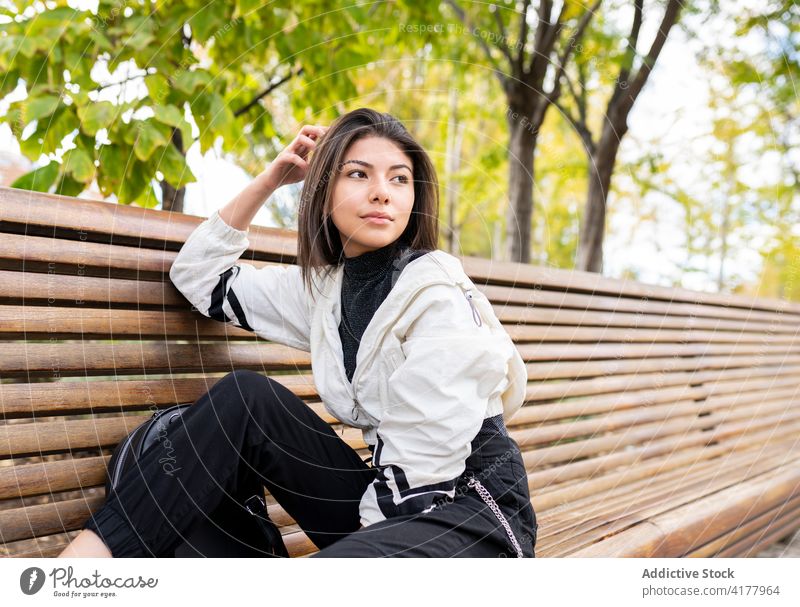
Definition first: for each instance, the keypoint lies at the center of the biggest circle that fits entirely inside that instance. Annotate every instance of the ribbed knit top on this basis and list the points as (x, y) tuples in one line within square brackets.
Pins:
[(366, 282)]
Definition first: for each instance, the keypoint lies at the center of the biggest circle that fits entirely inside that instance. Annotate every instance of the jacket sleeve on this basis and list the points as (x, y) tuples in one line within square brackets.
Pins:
[(437, 399), (269, 301)]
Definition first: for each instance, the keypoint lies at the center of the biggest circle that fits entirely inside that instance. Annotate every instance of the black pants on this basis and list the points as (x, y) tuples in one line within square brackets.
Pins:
[(248, 424)]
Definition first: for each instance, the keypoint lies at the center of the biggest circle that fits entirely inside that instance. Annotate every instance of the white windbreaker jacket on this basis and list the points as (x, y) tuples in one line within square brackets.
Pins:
[(433, 362)]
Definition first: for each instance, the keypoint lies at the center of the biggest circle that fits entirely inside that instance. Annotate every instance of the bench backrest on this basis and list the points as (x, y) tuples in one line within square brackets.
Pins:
[(624, 378)]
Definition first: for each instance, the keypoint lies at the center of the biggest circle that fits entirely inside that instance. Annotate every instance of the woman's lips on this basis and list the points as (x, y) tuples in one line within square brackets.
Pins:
[(377, 220)]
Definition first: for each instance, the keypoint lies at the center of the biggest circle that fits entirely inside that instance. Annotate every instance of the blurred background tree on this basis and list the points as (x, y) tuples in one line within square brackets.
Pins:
[(113, 95)]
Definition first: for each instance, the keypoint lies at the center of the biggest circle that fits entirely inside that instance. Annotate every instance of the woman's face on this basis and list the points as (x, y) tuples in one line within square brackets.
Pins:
[(376, 176)]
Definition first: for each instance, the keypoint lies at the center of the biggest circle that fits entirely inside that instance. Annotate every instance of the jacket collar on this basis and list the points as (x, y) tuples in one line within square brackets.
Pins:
[(433, 267)]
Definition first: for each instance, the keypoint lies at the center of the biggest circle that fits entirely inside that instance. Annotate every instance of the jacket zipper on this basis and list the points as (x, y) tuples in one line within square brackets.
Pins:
[(475, 315)]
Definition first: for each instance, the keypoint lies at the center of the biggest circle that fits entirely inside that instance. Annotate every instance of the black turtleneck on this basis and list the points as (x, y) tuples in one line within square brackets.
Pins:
[(367, 280)]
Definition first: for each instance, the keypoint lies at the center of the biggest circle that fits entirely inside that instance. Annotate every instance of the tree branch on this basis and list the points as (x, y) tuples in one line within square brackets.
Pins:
[(565, 54), (671, 15), (266, 92), (542, 26), (579, 127), (523, 37), (121, 82), (630, 53), (503, 43), (487, 51)]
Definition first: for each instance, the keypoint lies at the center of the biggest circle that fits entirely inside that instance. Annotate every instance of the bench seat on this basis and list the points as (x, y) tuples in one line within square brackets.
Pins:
[(658, 421)]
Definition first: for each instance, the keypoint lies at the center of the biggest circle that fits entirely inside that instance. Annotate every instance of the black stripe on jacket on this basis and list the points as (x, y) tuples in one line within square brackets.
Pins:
[(218, 296)]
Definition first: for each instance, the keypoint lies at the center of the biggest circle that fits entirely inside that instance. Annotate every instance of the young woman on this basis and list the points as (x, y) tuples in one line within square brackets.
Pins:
[(403, 346)]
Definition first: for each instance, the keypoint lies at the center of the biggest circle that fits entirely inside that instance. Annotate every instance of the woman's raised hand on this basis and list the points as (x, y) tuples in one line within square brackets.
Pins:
[(291, 165)]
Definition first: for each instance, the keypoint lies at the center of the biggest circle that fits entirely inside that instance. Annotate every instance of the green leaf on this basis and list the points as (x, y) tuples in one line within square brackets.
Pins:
[(67, 186), (29, 46), (169, 114), (96, 116), (158, 87), (140, 40), (61, 124), (148, 140), (32, 147), (8, 82), (173, 165), (38, 180), (147, 198), (101, 41), (245, 8), (79, 164), (39, 107), (208, 20), (110, 171), (14, 119), (134, 182), (188, 80)]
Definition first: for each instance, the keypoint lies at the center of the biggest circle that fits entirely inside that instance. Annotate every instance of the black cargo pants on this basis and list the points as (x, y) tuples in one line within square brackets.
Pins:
[(249, 424)]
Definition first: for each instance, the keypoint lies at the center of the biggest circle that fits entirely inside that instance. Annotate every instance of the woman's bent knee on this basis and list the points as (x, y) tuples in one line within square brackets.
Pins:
[(250, 394)]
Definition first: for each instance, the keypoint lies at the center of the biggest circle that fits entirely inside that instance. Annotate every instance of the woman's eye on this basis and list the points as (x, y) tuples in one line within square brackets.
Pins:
[(403, 178)]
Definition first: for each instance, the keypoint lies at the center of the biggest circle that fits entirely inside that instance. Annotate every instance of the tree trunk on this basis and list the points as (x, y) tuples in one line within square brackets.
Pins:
[(520, 185), (593, 227), (171, 198)]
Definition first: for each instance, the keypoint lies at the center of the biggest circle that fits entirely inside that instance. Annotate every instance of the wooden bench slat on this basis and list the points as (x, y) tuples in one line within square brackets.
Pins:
[(777, 529), (550, 411), (83, 359), (49, 265), (542, 392), (53, 322), (549, 352), (685, 427), (46, 519), (25, 480), (682, 529), (31, 323), (596, 368), (582, 478), (607, 511), (542, 298), (48, 547), (38, 213), (627, 418), (21, 440), (535, 277), (698, 482), (783, 519), (548, 333), (111, 396), (583, 318)]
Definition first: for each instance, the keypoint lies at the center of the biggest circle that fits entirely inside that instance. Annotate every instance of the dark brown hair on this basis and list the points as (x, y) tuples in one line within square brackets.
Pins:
[(318, 240)]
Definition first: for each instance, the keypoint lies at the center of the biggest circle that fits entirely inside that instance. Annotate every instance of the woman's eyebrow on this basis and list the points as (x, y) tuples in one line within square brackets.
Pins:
[(368, 165)]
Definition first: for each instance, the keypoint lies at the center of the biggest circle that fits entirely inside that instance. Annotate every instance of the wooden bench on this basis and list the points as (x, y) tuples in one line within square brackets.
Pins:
[(658, 421)]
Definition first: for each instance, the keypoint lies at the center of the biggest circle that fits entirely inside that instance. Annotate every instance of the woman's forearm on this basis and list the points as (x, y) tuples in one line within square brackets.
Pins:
[(240, 211)]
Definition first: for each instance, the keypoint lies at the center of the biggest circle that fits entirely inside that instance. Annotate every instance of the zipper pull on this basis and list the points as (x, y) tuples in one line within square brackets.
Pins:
[(475, 316)]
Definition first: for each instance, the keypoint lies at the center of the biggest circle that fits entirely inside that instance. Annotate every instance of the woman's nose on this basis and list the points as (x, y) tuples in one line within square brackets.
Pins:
[(380, 193)]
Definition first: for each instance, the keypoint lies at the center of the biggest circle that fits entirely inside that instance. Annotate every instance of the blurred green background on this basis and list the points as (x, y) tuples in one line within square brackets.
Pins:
[(651, 140)]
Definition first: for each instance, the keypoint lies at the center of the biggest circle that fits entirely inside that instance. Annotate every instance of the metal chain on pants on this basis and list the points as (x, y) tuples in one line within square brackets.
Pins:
[(487, 497)]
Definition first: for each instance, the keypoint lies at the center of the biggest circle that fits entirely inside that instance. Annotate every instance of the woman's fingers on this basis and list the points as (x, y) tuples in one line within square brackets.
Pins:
[(302, 144), (313, 130)]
